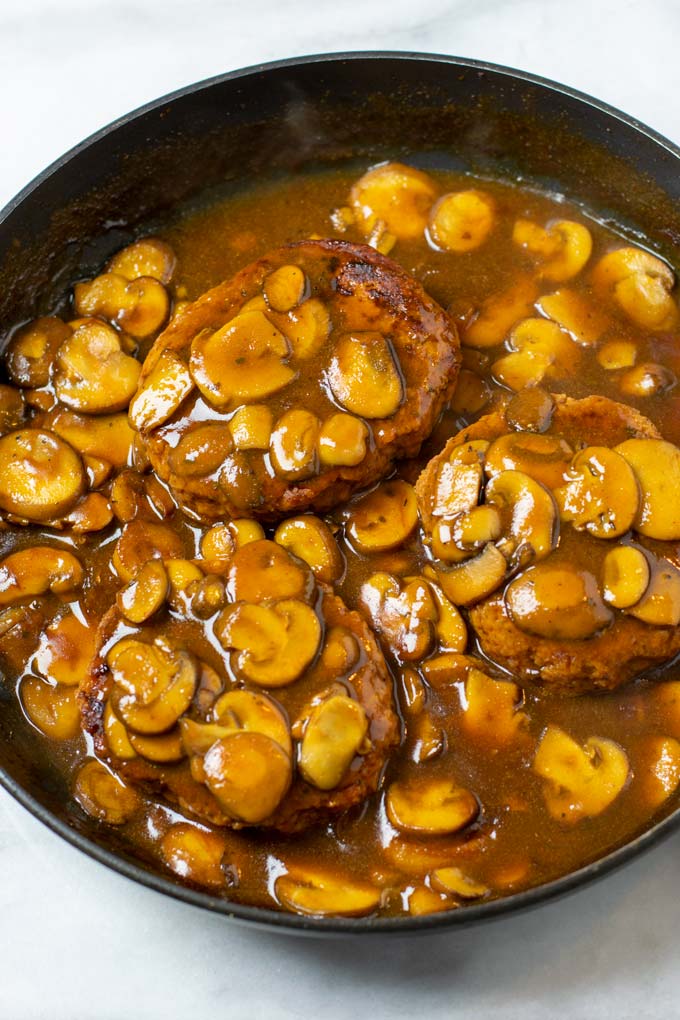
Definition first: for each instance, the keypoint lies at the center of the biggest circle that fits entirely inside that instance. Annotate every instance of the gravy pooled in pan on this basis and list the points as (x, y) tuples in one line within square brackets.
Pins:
[(348, 582)]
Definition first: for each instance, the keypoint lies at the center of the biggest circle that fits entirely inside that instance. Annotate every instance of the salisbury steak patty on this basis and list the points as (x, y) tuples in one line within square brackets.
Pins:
[(561, 542), (258, 699), (295, 383)]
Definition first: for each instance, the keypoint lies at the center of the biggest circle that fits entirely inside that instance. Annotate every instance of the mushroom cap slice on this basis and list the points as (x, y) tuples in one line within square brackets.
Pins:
[(41, 476), (582, 781), (557, 602), (249, 774), (601, 493), (434, 806), (656, 465), (275, 642)]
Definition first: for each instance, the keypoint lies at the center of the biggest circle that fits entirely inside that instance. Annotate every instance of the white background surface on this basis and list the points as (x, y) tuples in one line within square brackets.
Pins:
[(80, 943)]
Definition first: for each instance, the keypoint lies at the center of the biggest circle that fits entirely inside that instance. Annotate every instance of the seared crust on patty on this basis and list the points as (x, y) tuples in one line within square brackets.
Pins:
[(365, 295), (366, 680), (615, 655)]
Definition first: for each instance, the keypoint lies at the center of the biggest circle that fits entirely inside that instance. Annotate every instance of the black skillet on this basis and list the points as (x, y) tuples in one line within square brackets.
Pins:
[(285, 118)]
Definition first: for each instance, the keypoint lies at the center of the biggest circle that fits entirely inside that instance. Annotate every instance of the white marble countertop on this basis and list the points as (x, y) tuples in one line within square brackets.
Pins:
[(78, 942)]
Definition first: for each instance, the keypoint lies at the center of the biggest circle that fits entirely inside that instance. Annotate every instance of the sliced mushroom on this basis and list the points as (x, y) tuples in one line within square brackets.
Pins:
[(140, 306), (334, 733), (220, 542), (163, 748), (12, 408), (466, 534), (264, 570), (41, 476), (601, 494), (471, 581), (117, 736), (249, 774), (491, 709), (545, 458), (557, 602), (434, 807), (461, 220), (31, 351), (459, 479), (241, 363), (580, 318), (563, 247), (472, 393), (406, 617), (153, 684), (318, 894), (145, 594), (251, 427), (149, 256), (293, 443), (194, 854), (530, 410), (364, 376), (660, 604), (656, 465), (311, 540), (453, 880), (162, 391), (92, 513), (37, 570), (395, 195), (616, 354), (450, 627), (660, 772), (202, 450), (384, 518), (539, 349), (625, 576), (255, 712), (343, 441), (647, 380), (582, 782), (306, 328), (103, 795), (641, 284), (529, 515), (275, 643), (92, 372), (284, 288), (52, 709), (106, 437), (64, 651), (141, 541), (499, 313)]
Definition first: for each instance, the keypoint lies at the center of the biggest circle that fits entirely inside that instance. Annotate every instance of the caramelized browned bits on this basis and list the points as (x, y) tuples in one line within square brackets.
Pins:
[(625, 576), (342, 441), (601, 493), (244, 361), (384, 518), (275, 643), (52, 709), (317, 894), (335, 732), (432, 807), (395, 195), (640, 284), (103, 795), (32, 349), (581, 781), (557, 602), (141, 541), (264, 570), (162, 391), (149, 256), (311, 540), (562, 248), (37, 570), (92, 373), (293, 445), (249, 774), (195, 854), (461, 221), (145, 594), (41, 476), (656, 465), (153, 684), (364, 376)]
